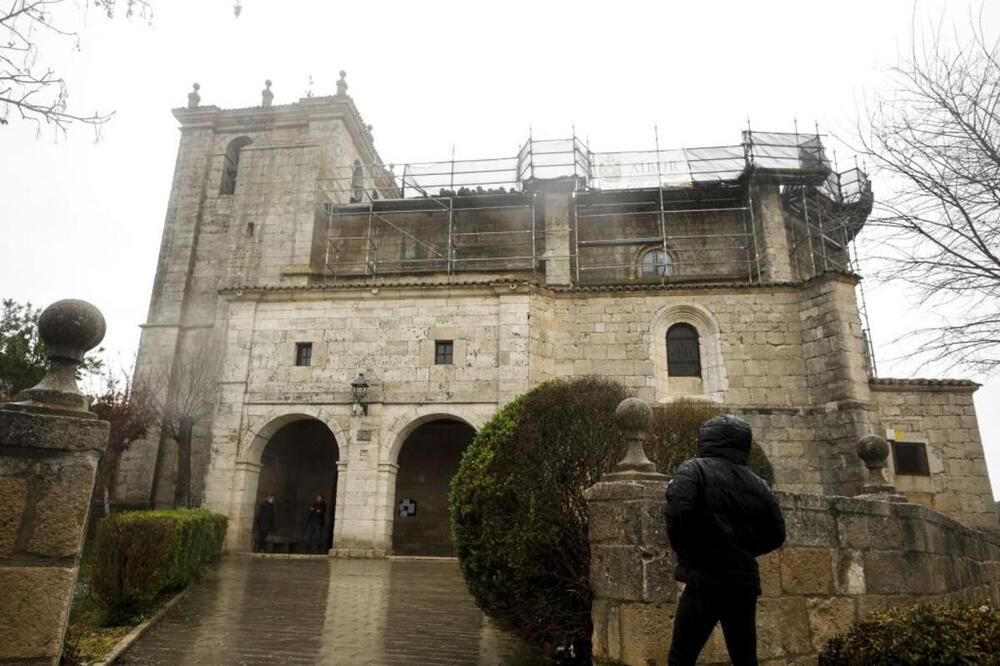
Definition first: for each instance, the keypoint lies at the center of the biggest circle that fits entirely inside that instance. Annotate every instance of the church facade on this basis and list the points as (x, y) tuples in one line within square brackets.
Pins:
[(341, 326)]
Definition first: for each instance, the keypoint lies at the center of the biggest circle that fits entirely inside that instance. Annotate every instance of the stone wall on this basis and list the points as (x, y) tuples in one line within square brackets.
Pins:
[(844, 557), (941, 415)]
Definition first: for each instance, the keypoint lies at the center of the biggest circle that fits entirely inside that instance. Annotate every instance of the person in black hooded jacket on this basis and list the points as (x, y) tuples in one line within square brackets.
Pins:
[(720, 518)]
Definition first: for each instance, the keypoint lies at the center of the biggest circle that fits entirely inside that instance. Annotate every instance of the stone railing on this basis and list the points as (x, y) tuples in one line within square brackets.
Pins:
[(50, 444), (843, 558)]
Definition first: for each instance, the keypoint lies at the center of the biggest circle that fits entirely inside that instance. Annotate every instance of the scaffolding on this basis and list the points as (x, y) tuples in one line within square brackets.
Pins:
[(656, 215)]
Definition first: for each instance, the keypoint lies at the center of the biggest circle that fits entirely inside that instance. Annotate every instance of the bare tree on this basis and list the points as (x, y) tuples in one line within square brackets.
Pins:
[(935, 140), (185, 401), (29, 89), (129, 409)]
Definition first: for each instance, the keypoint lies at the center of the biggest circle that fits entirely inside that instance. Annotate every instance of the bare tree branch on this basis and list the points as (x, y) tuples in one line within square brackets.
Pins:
[(935, 140), (34, 93)]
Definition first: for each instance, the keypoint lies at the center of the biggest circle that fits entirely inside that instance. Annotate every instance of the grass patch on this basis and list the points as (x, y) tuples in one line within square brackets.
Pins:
[(88, 637)]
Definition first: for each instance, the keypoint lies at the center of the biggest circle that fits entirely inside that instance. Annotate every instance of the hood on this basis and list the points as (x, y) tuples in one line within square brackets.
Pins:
[(725, 436)]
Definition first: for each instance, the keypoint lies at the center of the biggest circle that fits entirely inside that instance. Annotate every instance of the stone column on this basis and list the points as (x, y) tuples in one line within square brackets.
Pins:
[(50, 444), (631, 565), (558, 237)]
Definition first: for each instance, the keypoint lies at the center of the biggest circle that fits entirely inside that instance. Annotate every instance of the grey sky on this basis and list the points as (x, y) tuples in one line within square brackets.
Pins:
[(84, 220)]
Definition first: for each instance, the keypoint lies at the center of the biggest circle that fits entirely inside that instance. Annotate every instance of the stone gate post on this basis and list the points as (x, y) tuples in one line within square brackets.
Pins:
[(50, 444), (631, 564)]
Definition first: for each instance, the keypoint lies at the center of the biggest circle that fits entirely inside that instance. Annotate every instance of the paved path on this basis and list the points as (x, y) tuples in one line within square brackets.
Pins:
[(317, 611)]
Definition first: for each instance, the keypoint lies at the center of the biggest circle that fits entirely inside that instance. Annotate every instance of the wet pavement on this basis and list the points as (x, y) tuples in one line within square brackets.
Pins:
[(253, 610)]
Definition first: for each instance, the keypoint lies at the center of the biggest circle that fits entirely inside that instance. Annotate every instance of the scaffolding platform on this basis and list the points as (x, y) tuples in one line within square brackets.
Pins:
[(695, 206)]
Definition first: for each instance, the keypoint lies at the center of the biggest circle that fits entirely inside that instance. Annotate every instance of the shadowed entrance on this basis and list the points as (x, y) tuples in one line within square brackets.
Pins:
[(298, 463), (427, 460)]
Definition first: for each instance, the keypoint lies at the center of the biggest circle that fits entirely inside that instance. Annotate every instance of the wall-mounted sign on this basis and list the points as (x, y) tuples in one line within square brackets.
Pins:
[(407, 508), (364, 435)]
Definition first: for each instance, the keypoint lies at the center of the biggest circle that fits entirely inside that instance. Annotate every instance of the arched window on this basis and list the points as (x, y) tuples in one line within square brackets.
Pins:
[(683, 354), (654, 263), (231, 164)]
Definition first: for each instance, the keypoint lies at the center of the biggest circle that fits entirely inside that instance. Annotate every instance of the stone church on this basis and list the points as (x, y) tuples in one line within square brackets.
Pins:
[(338, 325)]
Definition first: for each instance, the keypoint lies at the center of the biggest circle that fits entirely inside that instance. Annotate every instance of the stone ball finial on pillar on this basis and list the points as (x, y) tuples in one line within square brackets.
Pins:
[(266, 96), (874, 452), (633, 418), (194, 99), (342, 84), (69, 328)]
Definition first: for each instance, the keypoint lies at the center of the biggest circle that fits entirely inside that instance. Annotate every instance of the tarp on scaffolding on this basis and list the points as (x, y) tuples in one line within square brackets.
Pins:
[(681, 167), (782, 151)]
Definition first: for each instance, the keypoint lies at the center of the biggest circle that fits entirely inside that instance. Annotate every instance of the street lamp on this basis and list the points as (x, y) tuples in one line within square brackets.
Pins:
[(359, 389)]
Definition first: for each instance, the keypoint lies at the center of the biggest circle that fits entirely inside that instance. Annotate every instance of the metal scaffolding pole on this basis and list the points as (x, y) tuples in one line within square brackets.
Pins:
[(534, 249), (662, 217), (808, 227)]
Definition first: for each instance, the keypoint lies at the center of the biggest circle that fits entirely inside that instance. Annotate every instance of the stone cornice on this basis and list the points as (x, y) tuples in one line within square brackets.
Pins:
[(241, 291), (917, 384), (298, 114)]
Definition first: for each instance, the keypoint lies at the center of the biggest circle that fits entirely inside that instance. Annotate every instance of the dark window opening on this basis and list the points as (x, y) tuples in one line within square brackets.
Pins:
[(910, 458), (683, 354), (444, 352), (231, 164), (303, 353), (655, 263)]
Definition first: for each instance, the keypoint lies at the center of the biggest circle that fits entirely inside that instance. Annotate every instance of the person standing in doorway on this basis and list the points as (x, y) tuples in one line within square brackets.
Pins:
[(720, 518), (315, 521), (263, 523)]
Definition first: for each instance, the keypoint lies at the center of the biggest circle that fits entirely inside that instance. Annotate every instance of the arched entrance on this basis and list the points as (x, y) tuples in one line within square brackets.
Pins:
[(427, 460), (299, 463)]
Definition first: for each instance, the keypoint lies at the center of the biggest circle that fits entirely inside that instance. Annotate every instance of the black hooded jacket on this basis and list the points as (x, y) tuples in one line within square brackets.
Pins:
[(720, 515)]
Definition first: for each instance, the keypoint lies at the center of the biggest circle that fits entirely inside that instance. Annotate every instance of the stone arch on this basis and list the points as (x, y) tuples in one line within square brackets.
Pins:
[(403, 426), (426, 459), (264, 427), (252, 475), (231, 164), (713, 383)]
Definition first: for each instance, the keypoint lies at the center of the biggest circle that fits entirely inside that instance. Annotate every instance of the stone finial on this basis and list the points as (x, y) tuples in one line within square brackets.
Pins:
[(874, 451), (194, 99), (342, 84), (633, 417), (69, 328), (266, 96)]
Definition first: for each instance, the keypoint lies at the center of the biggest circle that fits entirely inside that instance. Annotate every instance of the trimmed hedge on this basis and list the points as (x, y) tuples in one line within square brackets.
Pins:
[(139, 555), (927, 634), (519, 520)]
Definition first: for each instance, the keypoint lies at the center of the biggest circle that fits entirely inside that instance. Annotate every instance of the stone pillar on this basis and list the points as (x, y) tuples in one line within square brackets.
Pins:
[(631, 564), (50, 444), (558, 232), (772, 237)]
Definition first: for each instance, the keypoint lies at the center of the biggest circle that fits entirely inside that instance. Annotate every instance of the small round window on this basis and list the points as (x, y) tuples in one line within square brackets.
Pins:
[(655, 263)]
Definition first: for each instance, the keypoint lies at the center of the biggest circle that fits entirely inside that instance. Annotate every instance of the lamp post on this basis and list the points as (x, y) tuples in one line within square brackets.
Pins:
[(359, 389)]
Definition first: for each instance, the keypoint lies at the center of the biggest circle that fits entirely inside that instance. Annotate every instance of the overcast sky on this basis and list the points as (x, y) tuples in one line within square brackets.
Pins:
[(83, 219)]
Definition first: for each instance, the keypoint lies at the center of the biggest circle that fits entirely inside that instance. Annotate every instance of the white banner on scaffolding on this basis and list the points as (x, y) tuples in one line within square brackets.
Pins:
[(668, 168)]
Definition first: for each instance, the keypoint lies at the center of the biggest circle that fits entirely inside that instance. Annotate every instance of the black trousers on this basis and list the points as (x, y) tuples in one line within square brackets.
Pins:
[(697, 614), (314, 538)]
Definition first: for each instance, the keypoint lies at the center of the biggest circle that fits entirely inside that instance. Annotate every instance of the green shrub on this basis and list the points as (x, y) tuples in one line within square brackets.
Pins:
[(927, 634), (139, 555), (674, 437), (519, 521)]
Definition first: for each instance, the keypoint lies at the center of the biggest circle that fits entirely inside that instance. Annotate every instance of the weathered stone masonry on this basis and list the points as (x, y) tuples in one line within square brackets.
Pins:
[(283, 261)]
